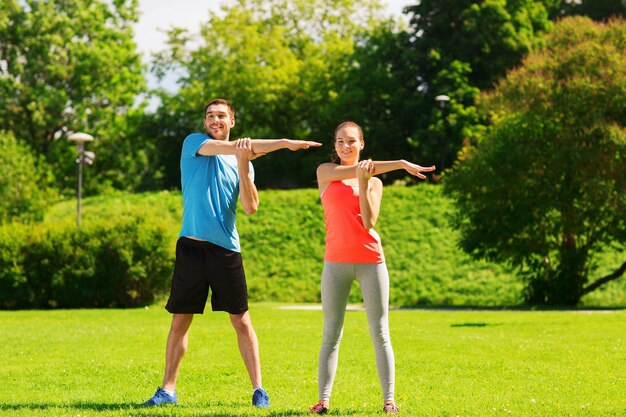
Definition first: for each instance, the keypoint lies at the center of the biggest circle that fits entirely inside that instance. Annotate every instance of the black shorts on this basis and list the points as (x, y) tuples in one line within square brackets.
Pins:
[(201, 265)]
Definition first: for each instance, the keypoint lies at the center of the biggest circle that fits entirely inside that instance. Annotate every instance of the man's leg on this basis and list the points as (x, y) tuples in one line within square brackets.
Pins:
[(177, 342), (248, 346)]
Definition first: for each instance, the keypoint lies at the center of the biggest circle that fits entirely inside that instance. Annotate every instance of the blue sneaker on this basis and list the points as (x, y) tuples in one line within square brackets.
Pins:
[(260, 398), (161, 397)]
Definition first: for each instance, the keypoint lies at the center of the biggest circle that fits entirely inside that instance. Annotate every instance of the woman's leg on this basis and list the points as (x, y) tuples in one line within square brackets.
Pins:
[(336, 282), (374, 280)]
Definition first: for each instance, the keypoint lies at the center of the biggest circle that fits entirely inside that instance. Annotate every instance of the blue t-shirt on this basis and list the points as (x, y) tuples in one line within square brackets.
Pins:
[(210, 192)]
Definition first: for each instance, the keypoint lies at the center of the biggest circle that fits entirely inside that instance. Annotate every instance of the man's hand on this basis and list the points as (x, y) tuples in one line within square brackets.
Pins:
[(294, 145)]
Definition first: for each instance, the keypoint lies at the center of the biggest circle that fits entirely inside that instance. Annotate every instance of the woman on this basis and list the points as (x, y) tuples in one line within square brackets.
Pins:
[(351, 198)]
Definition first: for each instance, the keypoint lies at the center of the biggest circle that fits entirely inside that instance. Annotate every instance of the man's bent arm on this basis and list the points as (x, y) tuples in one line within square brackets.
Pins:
[(248, 194)]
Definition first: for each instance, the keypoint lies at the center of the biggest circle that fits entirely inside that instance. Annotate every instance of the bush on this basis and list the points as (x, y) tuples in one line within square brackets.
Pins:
[(22, 196), (283, 251), (123, 261), (125, 253)]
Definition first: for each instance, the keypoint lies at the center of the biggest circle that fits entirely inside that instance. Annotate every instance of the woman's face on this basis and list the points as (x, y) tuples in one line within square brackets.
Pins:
[(348, 145)]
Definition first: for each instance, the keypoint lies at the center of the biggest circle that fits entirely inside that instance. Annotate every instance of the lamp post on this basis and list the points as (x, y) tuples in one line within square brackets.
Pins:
[(442, 99), (84, 157)]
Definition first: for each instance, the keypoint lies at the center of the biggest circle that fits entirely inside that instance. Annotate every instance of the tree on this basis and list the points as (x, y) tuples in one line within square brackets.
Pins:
[(545, 188), (67, 65), (278, 62), (595, 9), (491, 36), (456, 48), (377, 91), (397, 113)]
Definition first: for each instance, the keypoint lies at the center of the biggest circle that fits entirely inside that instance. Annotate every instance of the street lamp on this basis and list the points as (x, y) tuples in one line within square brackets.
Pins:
[(84, 157), (442, 99)]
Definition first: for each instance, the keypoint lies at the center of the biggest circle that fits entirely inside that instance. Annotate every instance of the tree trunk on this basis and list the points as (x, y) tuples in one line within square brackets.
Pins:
[(571, 276)]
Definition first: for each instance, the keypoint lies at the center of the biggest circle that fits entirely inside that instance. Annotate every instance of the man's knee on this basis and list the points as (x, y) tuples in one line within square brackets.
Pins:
[(180, 323), (241, 322)]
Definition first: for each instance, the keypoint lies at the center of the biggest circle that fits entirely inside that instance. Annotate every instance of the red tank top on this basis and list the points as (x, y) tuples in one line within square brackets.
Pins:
[(347, 240)]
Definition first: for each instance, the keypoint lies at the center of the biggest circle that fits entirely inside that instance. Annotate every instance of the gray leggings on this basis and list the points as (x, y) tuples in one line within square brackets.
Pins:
[(337, 279)]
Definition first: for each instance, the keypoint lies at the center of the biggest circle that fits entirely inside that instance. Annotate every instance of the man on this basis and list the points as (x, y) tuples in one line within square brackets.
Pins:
[(215, 172)]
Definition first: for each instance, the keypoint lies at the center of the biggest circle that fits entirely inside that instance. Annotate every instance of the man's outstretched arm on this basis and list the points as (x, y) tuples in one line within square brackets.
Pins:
[(259, 146), (264, 146)]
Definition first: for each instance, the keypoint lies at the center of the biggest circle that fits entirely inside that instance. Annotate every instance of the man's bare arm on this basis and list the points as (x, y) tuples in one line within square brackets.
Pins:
[(248, 194), (259, 146)]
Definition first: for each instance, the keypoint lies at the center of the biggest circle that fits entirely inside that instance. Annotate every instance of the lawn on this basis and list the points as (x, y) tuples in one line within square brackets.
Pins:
[(448, 363)]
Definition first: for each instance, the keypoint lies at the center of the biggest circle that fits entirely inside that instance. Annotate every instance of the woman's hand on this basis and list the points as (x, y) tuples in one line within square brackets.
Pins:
[(364, 170), (417, 170), (244, 150)]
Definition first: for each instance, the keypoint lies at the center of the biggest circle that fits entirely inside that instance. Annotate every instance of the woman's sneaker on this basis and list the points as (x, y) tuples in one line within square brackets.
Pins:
[(260, 398), (391, 408), (318, 408), (161, 397)]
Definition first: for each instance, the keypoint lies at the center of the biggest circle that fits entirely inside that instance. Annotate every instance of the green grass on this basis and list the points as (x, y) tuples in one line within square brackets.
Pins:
[(448, 363)]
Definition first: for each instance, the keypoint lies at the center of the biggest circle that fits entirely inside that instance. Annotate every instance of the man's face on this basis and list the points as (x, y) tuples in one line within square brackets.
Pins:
[(218, 121)]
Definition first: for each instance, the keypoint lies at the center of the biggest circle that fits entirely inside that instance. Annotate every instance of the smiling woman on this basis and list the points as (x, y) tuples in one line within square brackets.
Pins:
[(351, 198)]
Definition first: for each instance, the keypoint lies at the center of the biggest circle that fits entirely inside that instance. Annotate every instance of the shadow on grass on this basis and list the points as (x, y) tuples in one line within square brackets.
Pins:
[(138, 409), (471, 325), (518, 307), (77, 405)]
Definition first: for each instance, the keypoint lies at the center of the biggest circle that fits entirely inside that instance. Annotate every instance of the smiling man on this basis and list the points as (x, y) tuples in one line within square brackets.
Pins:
[(215, 173)]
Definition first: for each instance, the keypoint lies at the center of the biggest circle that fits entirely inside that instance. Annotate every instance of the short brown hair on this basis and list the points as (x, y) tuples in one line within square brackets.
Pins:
[(220, 101)]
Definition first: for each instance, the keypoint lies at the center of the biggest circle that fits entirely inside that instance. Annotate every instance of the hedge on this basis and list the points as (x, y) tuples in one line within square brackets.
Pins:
[(123, 261)]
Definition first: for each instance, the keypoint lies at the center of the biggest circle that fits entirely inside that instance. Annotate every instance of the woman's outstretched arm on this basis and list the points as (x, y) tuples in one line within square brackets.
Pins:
[(329, 172)]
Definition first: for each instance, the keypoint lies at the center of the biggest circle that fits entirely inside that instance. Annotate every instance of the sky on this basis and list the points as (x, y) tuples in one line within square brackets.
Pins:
[(164, 14)]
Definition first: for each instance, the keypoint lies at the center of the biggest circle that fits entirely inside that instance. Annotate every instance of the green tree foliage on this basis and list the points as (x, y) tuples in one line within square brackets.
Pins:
[(595, 9), (278, 62), (24, 191), (491, 36), (68, 65), (297, 69), (546, 188), (456, 48), (376, 92), (399, 116)]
